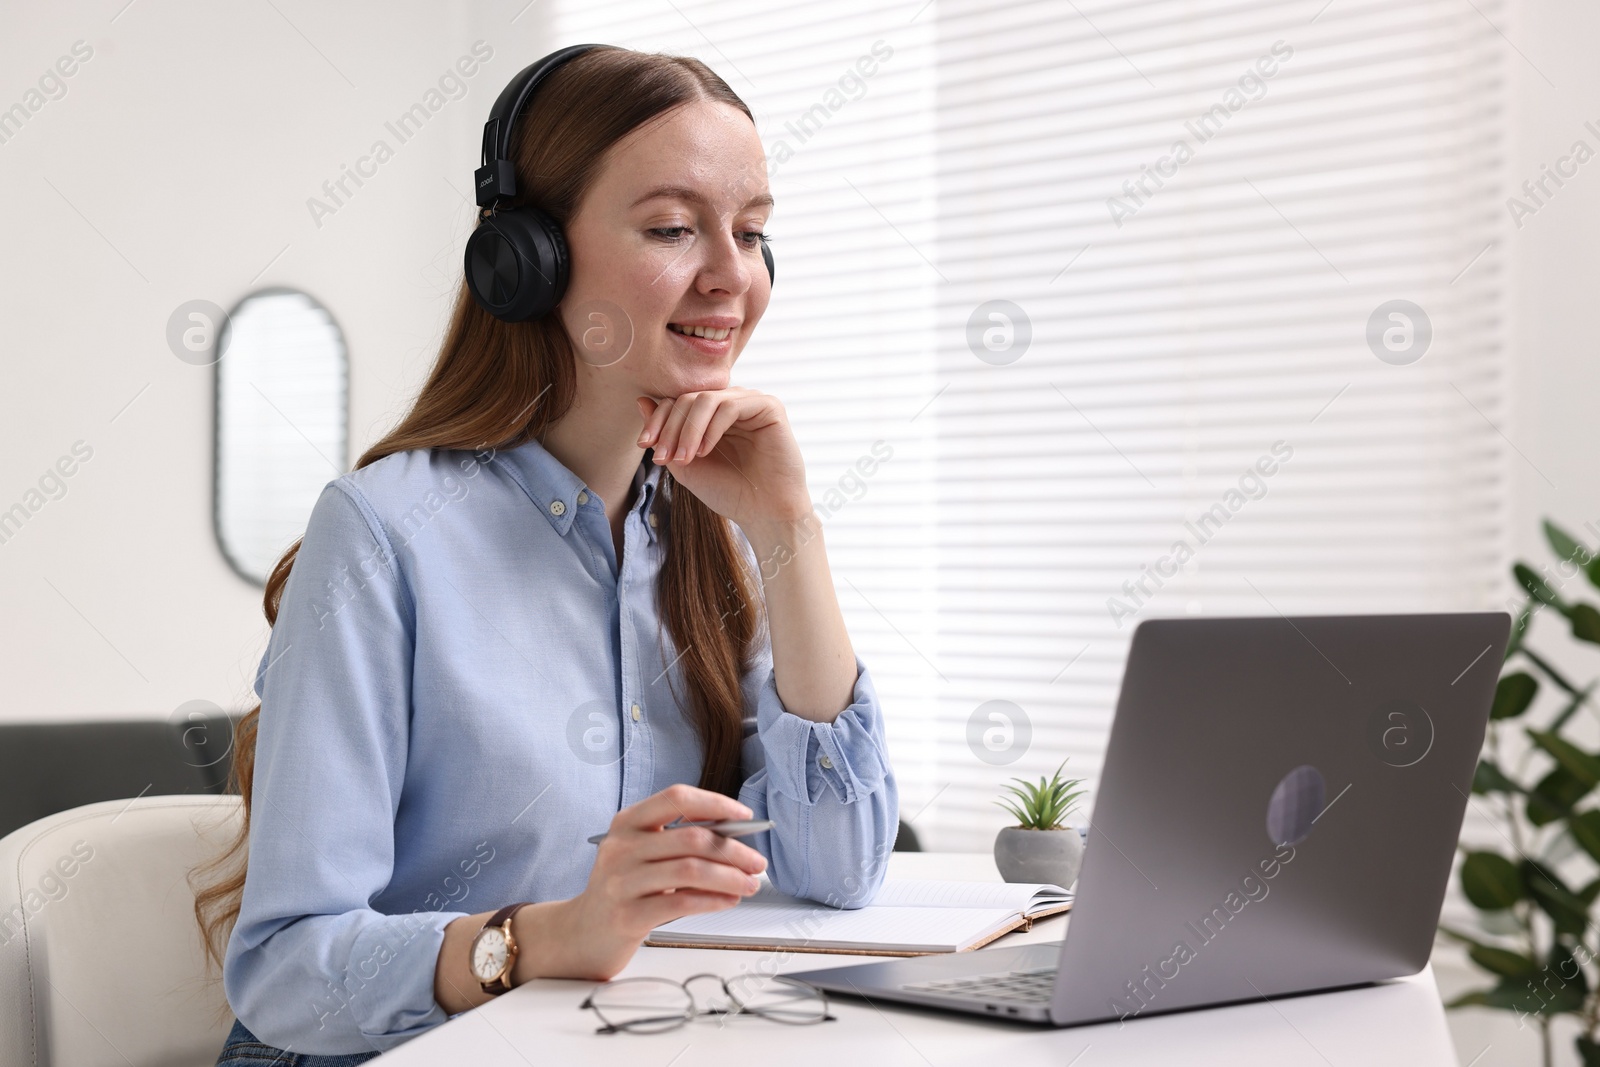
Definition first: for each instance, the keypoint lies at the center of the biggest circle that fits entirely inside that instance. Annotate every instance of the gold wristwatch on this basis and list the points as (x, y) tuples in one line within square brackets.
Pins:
[(494, 951)]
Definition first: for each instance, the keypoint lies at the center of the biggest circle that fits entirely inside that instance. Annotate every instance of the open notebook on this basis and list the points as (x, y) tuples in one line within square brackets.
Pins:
[(908, 917)]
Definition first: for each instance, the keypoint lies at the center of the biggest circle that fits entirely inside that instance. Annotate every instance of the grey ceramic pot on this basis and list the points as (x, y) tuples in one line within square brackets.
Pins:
[(1052, 856)]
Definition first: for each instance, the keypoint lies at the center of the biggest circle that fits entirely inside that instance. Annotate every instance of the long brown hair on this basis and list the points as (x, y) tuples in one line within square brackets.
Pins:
[(497, 385)]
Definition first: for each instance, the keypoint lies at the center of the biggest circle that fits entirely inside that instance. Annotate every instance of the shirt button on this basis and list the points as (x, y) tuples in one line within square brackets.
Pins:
[(652, 518), (637, 714), (583, 498), (826, 763), (558, 507)]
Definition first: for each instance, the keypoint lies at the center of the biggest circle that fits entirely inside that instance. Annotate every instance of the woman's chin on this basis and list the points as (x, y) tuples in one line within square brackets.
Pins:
[(695, 380)]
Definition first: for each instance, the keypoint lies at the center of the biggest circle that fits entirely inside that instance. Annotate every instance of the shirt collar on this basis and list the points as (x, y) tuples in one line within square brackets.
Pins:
[(554, 488)]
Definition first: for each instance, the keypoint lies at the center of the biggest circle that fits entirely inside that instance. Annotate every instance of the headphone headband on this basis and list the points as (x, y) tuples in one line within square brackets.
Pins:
[(497, 178)]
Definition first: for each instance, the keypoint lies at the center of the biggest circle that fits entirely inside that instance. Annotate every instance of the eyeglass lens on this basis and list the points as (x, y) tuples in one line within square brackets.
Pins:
[(643, 1005)]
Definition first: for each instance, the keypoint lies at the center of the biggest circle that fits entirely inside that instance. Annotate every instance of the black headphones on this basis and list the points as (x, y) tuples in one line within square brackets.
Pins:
[(516, 262)]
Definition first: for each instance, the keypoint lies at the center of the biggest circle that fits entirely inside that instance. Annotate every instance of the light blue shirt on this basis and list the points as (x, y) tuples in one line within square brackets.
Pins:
[(463, 684)]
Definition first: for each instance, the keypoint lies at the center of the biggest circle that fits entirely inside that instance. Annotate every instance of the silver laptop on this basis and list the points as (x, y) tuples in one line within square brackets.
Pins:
[(1277, 813)]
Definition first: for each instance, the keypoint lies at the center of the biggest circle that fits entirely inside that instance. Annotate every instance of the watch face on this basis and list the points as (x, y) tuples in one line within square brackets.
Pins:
[(489, 954)]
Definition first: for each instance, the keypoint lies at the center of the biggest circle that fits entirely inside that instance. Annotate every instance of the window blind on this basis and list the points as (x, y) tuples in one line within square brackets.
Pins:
[(1097, 312)]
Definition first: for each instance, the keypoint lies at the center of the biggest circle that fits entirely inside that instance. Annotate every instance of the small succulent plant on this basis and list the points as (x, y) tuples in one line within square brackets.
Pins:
[(1043, 806)]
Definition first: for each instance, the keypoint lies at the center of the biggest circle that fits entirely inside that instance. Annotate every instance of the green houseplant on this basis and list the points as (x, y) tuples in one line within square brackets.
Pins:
[(1535, 934), (1041, 847)]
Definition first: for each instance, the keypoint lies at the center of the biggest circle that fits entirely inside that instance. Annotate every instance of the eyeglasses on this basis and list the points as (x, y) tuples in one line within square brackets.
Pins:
[(652, 1005)]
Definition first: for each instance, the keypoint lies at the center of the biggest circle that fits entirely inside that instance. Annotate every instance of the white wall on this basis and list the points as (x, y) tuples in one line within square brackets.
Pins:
[(177, 166), (1555, 264)]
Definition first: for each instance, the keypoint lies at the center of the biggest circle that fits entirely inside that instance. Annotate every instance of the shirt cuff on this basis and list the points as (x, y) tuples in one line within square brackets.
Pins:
[(384, 992), (803, 757)]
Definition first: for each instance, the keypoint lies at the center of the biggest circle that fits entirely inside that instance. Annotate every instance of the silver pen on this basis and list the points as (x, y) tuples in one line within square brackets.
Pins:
[(724, 827)]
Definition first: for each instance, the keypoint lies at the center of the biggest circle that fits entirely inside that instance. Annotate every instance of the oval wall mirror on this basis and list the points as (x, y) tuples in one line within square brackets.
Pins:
[(281, 426)]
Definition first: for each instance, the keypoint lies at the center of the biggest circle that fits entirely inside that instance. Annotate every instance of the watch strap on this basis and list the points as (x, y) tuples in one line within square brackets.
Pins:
[(502, 918)]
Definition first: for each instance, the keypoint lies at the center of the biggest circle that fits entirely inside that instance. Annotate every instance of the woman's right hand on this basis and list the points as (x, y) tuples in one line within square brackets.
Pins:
[(645, 875)]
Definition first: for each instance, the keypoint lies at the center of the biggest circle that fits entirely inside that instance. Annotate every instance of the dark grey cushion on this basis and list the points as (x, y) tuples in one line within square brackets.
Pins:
[(46, 768)]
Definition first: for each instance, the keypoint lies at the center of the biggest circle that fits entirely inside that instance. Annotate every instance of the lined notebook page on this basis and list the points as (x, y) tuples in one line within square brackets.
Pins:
[(913, 928), (906, 914), (928, 893), (918, 892)]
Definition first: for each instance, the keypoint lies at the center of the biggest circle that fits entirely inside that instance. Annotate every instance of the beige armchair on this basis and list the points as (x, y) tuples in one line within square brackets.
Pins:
[(100, 956)]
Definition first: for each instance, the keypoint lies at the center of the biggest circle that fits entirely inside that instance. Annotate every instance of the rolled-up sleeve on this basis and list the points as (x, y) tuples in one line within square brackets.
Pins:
[(828, 788), (310, 965)]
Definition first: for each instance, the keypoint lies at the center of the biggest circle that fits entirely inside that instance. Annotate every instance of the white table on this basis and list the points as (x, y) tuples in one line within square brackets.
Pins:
[(1400, 1022)]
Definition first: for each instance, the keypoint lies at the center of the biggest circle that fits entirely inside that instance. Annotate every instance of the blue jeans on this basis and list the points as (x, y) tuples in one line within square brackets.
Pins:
[(241, 1049)]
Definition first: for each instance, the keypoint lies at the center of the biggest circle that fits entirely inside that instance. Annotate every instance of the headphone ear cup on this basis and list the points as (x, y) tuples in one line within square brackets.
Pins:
[(766, 254), (516, 264)]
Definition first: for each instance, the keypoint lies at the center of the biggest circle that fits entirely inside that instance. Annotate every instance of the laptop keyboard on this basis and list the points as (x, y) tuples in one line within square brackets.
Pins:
[(1028, 987)]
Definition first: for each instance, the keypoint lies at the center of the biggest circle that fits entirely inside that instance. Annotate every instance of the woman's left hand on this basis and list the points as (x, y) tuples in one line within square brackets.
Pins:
[(741, 458)]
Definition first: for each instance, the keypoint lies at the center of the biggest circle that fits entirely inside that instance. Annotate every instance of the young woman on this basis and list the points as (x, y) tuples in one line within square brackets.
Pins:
[(534, 612)]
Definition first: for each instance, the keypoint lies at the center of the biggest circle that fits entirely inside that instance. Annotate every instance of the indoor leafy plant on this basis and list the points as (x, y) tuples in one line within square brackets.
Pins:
[(1041, 847), (1535, 926)]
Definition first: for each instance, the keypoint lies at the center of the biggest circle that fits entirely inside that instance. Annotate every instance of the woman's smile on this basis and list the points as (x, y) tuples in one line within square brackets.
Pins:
[(713, 336)]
